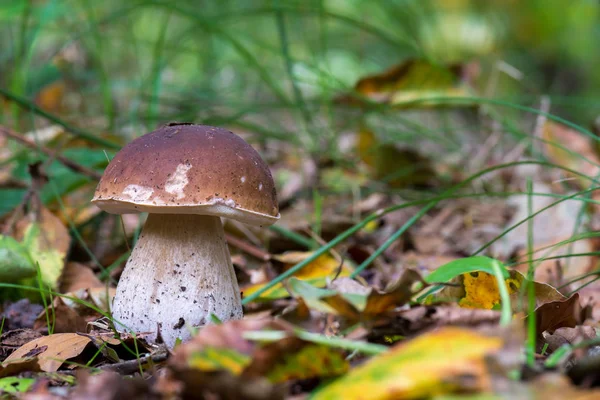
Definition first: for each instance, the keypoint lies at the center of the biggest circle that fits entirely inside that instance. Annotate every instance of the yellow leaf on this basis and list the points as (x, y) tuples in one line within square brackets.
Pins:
[(414, 80), (315, 273), (431, 364), (481, 290), (216, 359)]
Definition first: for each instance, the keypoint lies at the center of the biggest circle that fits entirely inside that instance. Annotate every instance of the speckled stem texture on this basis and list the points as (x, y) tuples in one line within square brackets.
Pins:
[(179, 273)]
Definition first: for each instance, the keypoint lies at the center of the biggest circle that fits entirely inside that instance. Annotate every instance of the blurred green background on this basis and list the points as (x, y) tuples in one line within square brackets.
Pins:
[(275, 70)]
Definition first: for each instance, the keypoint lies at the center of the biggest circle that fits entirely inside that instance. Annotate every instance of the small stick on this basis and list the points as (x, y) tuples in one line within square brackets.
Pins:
[(51, 153), (132, 366), (247, 247)]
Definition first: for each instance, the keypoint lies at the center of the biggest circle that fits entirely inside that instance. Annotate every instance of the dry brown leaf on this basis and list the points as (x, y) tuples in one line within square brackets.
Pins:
[(420, 318), (571, 149), (558, 314), (574, 335), (50, 97), (100, 297), (78, 276), (554, 225), (63, 319), (48, 353), (111, 386)]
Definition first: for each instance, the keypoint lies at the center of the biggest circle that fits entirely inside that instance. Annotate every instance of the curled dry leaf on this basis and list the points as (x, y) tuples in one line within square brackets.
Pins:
[(47, 353), (558, 314), (566, 335), (355, 302)]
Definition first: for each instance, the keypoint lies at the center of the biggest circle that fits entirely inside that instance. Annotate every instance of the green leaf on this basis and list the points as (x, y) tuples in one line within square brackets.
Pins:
[(463, 266), (15, 262), (50, 260), (15, 385), (313, 296)]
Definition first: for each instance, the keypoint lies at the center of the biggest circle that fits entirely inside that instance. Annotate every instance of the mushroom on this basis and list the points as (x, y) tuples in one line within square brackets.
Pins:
[(185, 177)]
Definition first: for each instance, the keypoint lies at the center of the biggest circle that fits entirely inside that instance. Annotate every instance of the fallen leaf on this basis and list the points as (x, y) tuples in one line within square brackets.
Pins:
[(109, 385), (20, 314), (558, 314), (571, 149), (47, 240), (62, 318), (99, 297), (420, 318), (572, 335), (554, 386), (11, 384), (432, 364), (225, 348), (15, 262), (554, 229), (77, 276), (48, 353), (414, 80), (479, 289), (358, 303), (398, 167), (50, 97), (316, 273)]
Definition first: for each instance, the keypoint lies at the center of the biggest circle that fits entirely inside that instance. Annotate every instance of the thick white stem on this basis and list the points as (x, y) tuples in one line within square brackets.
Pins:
[(179, 273)]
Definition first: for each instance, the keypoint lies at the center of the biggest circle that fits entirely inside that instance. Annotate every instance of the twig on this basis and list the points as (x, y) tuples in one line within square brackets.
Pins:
[(132, 366), (28, 105), (247, 247), (51, 153), (12, 183)]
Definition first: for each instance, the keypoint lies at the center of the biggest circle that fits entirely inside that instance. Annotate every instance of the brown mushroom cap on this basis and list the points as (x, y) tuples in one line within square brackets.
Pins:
[(189, 169)]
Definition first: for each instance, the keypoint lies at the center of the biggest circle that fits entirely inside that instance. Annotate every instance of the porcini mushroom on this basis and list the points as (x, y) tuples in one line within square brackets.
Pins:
[(185, 177)]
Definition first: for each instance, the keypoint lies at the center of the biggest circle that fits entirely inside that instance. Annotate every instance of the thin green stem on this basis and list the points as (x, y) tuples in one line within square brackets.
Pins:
[(506, 311), (531, 320)]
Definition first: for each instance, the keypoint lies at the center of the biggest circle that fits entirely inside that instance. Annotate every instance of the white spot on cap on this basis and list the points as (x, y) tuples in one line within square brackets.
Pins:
[(138, 193), (243, 179), (260, 186), (220, 201), (178, 181)]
